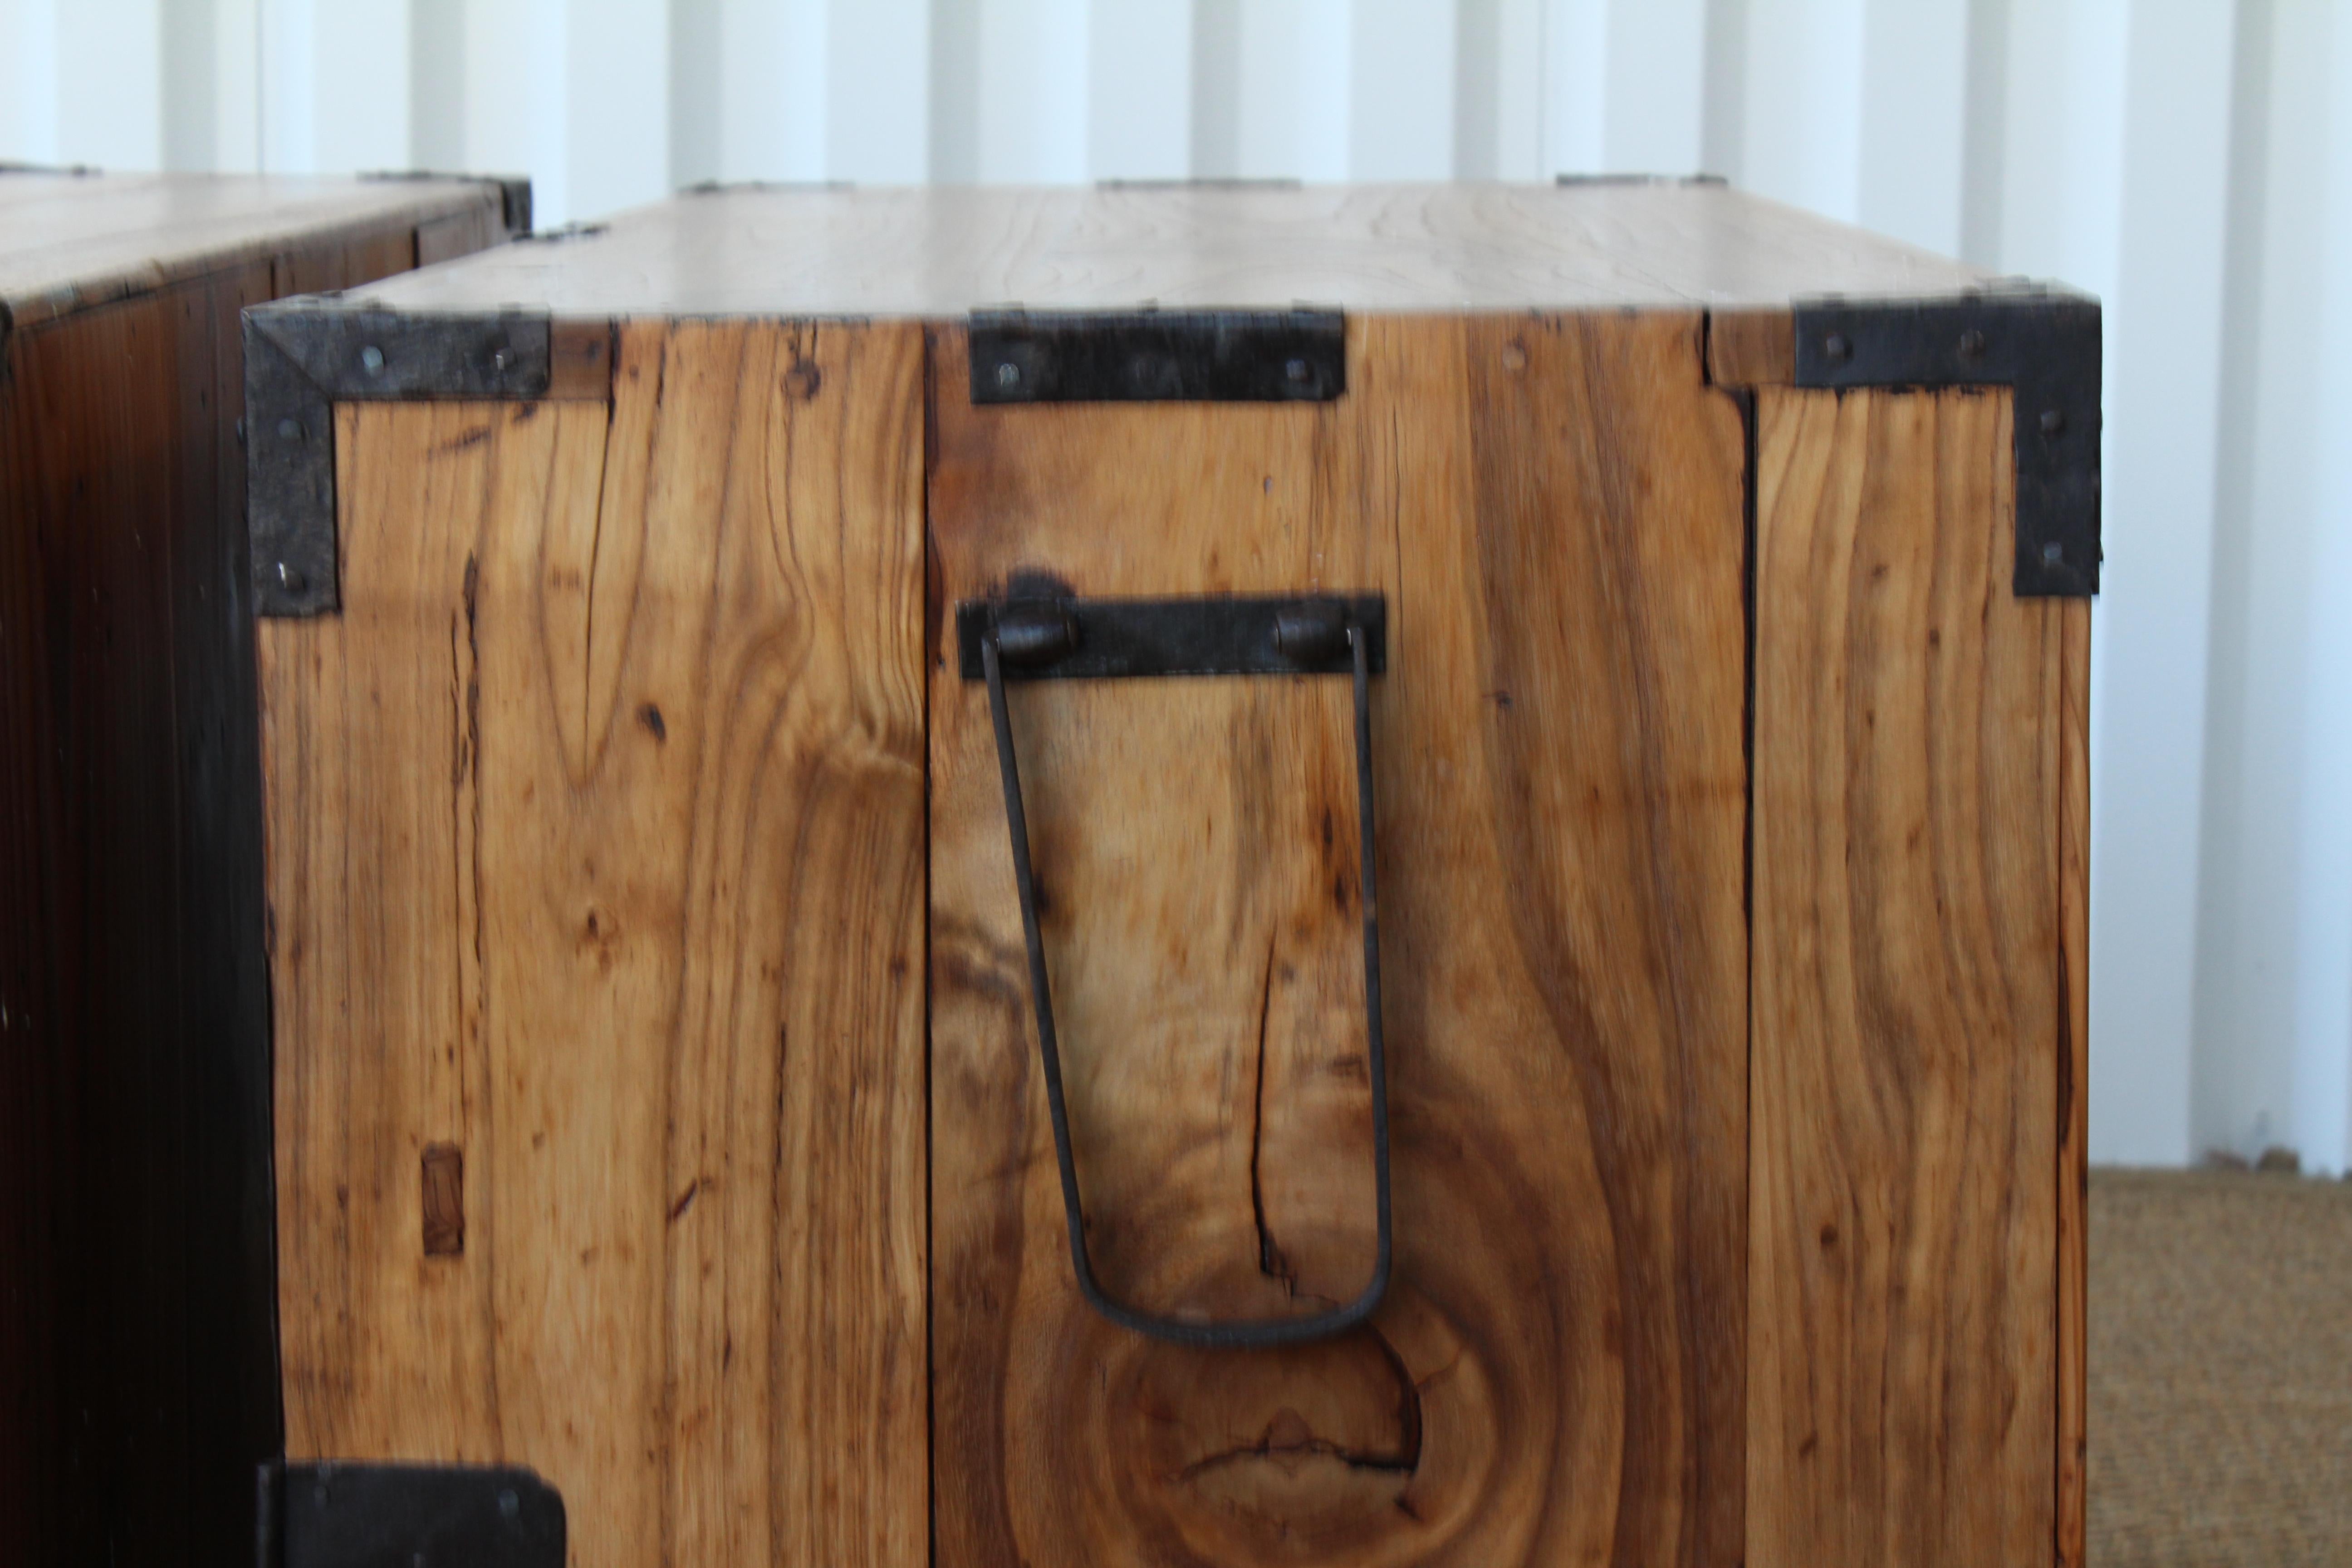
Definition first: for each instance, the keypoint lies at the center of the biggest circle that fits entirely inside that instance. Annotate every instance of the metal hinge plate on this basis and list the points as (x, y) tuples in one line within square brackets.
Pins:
[(406, 1516), (1158, 356), (1109, 639), (2044, 345)]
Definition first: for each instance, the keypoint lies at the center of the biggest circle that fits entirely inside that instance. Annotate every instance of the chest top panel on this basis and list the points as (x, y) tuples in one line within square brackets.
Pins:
[(942, 251), (72, 239)]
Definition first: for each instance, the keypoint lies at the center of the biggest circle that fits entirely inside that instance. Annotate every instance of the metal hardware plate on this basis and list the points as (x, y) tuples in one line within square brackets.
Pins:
[(1121, 637), (299, 361), (406, 1516), (1158, 356), (2044, 345)]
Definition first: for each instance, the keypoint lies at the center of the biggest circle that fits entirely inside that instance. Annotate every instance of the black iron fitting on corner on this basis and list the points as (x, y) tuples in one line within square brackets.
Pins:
[(2042, 343)]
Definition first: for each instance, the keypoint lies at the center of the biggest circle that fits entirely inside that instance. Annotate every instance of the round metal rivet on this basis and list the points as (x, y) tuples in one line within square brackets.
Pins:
[(2052, 421), (499, 360), (2052, 553), (1838, 349), (1973, 343), (509, 1505), (372, 359), (1295, 370), (289, 430), (293, 582), (1008, 375)]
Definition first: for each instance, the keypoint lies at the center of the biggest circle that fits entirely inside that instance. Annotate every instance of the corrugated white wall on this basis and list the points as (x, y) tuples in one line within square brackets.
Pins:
[(2189, 161)]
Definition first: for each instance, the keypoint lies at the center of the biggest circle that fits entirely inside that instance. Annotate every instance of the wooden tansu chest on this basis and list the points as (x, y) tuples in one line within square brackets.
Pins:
[(138, 1372), (1178, 876)]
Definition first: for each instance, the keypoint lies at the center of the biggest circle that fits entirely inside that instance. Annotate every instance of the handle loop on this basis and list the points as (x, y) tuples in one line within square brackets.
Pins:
[(1298, 635)]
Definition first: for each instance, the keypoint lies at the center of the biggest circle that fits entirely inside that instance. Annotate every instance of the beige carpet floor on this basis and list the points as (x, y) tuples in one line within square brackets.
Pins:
[(2221, 1370)]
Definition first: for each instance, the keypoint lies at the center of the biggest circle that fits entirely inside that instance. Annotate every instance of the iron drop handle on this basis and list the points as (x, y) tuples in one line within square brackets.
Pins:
[(1107, 639)]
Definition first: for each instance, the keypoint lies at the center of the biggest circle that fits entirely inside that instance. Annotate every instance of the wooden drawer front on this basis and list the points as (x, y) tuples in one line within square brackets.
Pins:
[(1553, 509)]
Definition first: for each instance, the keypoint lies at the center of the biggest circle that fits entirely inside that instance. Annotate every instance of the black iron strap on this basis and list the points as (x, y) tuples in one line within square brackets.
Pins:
[(1067, 638)]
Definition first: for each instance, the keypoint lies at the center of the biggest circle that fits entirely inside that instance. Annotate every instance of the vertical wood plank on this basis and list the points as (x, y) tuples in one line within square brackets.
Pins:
[(596, 854), (1909, 1007), (1552, 506), (2074, 1083)]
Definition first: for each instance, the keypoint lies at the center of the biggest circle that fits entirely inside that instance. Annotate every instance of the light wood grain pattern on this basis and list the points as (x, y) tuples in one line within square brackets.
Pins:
[(596, 854), (67, 242), (1907, 996), (2073, 1084), (943, 250), (1553, 508)]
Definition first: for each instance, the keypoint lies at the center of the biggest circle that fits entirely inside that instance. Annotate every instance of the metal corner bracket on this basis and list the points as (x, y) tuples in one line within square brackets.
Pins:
[(303, 356), (2042, 343), (328, 1514)]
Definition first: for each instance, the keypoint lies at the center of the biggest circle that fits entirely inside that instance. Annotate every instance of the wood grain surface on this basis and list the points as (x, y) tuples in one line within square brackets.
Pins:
[(2074, 1085), (1909, 1003), (138, 1344), (1752, 348), (942, 250), (1553, 507), (70, 241), (596, 855)]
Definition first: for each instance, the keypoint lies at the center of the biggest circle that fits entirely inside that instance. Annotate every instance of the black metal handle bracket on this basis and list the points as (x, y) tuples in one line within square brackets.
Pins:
[(1045, 640)]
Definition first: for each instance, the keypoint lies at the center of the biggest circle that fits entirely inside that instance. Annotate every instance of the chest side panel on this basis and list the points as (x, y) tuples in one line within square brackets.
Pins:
[(1553, 508), (596, 868), (1910, 1003), (136, 1339)]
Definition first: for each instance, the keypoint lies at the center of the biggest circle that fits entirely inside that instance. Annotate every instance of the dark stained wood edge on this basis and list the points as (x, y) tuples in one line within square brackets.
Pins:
[(36, 1148), (1752, 348), (139, 1381), (442, 1172), (2073, 1082)]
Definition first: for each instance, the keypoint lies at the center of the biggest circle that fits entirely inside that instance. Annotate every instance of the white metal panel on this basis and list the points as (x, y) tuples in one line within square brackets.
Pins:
[(2128, 146), (109, 81), (1032, 83), (2273, 1017), (2163, 406), (1400, 91), (878, 99), (28, 80), (1138, 90), (2322, 1123), (1914, 122), (1802, 114)]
